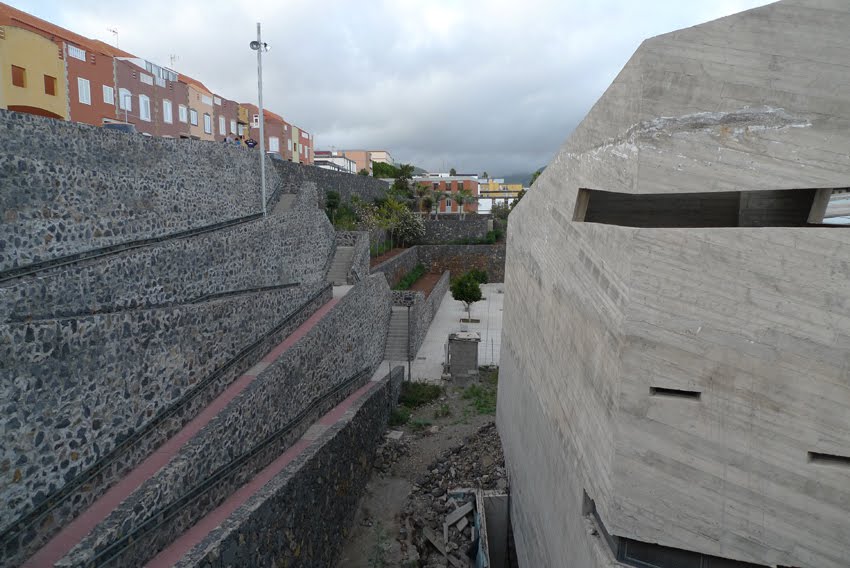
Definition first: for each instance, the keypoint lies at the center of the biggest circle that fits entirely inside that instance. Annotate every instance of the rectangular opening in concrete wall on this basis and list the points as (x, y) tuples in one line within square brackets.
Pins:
[(675, 393), (829, 459), (773, 208)]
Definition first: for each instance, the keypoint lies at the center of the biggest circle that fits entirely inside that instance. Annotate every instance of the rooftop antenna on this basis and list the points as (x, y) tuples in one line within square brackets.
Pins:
[(114, 31), (174, 58)]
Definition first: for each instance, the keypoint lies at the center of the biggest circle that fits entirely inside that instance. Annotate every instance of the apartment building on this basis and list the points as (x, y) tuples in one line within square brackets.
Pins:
[(226, 117), (151, 98), (333, 160), (449, 186), (33, 76)]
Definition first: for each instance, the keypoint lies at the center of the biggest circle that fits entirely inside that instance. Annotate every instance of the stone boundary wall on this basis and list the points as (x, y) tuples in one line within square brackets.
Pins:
[(77, 387), (454, 229), (422, 313), (280, 249), (366, 188), (348, 339), (396, 267), (437, 259), (459, 258), (67, 188), (301, 517)]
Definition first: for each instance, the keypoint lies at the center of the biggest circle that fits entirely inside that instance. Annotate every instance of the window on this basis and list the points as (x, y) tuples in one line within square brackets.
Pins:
[(217, 101), (160, 82), (49, 85), (448, 202), (193, 117), (207, 123), (206, 99), (232, 126), (222, 125), (125, 100), (84, 90), (255, 121), (182, 112), (146, 79), (289, 144), (274, 144), (167, 113), (144, 108), (19, 76), (240, 130), (76, 52), (108, 95)]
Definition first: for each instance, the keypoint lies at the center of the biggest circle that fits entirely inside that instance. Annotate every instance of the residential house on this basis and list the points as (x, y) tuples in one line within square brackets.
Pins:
[(151, 98), (381, 156), (302, 146), (200, 109), (33, 74), (274, 128), (451, 184), (226, 117), (333, 160), (497, 189)]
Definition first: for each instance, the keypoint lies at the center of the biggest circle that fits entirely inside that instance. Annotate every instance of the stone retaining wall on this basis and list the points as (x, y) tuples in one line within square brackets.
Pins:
[(366, 188), (422, 313), (348, 339), (280, 249), (79, 386), (302, 516), (396, 267), (445, 230), (67, 188), (459, 258)]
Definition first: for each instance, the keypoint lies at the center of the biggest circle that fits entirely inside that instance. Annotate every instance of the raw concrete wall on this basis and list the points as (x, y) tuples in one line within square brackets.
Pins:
[(348, 340), (67, 188), (301, 517), (754, 319)]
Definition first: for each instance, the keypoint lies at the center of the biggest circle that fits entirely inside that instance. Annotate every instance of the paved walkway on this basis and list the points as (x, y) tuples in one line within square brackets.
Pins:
[(76, 530), (431, 356)]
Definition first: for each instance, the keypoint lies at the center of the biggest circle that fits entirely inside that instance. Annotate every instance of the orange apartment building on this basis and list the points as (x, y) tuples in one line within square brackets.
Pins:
[(449, 185)]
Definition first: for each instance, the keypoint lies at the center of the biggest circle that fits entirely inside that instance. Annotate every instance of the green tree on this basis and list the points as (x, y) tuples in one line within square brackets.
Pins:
[(519, 196), (401, 185), (500, 211), (535, 175), (463, 197), (452, 172), (410, 228), (485, 176), (383, 170), (467, 290), (363, 172)]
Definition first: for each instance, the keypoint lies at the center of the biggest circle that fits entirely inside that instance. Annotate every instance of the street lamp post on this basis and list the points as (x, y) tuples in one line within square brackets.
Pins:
[(260, 47)]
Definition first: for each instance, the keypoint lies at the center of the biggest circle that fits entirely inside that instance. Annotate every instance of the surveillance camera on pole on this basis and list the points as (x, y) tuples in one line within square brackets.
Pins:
[(260, 47)]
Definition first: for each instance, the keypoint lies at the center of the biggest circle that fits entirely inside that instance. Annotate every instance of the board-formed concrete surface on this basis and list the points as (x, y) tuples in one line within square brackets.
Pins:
[(690, 378)]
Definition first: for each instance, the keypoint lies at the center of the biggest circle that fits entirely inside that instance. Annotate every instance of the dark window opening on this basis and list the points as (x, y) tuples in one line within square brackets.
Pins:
[(49, 85), (674, 393), (829, 459), (773, 208), (650, 555), (19, 76)]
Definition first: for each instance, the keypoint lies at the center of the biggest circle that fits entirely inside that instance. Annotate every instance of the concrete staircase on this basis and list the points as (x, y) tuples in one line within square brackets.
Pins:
[(341, 264), (397, 339)]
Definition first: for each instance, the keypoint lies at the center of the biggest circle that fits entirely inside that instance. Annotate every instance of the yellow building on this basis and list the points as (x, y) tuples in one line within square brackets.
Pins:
[(32, 76), (498, 189)]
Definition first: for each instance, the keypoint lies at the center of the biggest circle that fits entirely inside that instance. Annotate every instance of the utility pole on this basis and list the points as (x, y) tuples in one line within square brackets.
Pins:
[(259, 46)]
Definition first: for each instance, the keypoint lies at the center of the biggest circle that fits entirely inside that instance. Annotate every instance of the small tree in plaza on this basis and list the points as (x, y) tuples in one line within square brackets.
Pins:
[(466, 289)]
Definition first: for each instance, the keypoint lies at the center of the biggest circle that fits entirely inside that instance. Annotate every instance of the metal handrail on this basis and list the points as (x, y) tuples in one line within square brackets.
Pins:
[(165, 514), (37, 515)]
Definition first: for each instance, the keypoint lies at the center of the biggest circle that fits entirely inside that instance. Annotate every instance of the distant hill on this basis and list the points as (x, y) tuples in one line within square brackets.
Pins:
[(522, 177), (417, 171)]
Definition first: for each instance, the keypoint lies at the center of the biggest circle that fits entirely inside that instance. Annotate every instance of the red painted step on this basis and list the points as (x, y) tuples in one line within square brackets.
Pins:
[(76, 530)]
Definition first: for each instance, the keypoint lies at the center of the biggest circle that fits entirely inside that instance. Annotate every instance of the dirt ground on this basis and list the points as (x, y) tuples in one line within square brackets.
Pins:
[(426, 283), (375, 261), (376, 536)]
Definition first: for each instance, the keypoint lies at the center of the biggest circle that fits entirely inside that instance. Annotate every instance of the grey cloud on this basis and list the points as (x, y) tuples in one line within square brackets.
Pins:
[(477, 85)]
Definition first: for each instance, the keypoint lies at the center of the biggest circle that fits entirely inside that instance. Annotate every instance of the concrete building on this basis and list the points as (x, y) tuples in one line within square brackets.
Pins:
[(674, 384), (32, 74), (381, 156), (362, 158), (333, 160), (497, 190)]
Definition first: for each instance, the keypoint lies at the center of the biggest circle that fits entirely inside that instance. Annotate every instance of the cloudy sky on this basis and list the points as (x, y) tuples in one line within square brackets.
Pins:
[(472, 84)]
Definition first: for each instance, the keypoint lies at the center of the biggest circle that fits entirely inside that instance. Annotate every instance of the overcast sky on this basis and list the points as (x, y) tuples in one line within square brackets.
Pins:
[(471, 84)]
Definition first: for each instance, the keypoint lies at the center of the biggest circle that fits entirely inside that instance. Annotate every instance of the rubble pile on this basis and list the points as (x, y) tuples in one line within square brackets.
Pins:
[(438, 521), (390, 451)]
